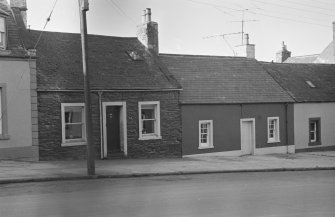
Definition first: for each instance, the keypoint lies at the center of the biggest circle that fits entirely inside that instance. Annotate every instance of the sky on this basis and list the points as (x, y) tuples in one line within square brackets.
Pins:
[(195, 26)]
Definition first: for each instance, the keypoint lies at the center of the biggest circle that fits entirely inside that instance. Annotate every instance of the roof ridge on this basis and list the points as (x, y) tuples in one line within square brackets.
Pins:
[(77, 33), (204, 56)]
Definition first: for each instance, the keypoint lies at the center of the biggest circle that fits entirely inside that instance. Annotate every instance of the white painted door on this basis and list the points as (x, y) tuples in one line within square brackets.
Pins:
[(247, 136)]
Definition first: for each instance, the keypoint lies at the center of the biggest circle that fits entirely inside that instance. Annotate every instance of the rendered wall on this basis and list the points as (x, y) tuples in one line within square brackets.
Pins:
[(16, 74), (302, 113)]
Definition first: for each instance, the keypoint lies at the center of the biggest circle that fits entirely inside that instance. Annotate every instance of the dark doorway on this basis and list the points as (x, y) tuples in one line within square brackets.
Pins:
[(113, 130)]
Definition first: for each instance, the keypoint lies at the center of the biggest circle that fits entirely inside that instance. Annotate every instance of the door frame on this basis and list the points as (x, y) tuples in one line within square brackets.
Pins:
[(253, 145), (123, 127)]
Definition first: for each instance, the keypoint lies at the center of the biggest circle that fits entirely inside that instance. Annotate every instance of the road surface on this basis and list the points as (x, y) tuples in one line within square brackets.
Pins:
[(277, 194)]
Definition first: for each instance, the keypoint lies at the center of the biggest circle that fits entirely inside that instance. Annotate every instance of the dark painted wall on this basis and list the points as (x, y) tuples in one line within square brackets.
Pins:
[(226, 125)]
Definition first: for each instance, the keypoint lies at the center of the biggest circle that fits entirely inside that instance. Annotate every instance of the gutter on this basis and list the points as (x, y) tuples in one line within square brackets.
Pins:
[(105, 90)]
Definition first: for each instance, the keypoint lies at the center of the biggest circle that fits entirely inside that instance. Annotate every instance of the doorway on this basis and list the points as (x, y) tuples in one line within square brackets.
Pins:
[(114, 130), (247, 136)]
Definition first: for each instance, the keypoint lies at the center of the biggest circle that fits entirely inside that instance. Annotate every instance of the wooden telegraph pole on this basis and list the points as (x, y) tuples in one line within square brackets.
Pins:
[(83, 7)]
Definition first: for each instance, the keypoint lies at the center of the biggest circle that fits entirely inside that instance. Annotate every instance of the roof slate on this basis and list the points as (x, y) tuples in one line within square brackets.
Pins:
[(59, 63), (293, 78), (302, 59), (217, 79)]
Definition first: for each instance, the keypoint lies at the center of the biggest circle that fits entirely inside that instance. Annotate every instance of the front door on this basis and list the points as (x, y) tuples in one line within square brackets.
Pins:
[(247, 136), (113, 130)]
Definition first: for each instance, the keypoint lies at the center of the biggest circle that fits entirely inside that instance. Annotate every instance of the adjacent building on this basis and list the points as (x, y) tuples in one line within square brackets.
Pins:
[(18, 97), (312, 86), (327, 56), (231, 106)]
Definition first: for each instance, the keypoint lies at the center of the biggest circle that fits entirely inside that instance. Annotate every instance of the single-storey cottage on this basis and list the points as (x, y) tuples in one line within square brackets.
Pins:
[(231, 106), (135, 100), (312, 86)]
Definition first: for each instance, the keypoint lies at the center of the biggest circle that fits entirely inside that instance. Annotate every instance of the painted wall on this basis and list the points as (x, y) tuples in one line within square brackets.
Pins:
[(16, 74), (226, 125), (302, 113)]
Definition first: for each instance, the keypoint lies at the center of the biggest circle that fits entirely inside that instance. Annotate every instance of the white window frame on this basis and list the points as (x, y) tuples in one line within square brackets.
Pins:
[(157, 133), (3, 31), (276, 130), (73, 142), (314, 131), (209, 143)]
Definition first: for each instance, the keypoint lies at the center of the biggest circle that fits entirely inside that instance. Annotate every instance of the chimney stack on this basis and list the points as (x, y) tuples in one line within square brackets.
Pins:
[(249, 48), (147, 32), (22, 6), (283, 55)]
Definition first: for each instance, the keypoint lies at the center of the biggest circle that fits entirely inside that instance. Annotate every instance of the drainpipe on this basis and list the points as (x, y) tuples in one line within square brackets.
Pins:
[(286, 120), (101, 125)]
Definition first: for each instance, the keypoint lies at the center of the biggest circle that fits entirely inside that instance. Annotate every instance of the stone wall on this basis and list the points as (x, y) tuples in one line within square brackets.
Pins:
[(50, 124)]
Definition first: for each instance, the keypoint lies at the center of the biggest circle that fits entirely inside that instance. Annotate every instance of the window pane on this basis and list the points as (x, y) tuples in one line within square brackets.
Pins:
[(148, 113), (73, 115), (204, 133), (148, 127), (2, 24), (74, 131)]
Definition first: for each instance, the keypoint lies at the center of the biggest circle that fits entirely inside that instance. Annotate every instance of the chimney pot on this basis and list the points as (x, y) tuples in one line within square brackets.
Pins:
[(148, 15), (144, 14), (246, 39)]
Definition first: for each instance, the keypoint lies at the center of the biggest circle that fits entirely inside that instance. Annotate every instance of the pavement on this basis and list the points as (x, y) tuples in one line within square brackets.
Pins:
[(23, 171)]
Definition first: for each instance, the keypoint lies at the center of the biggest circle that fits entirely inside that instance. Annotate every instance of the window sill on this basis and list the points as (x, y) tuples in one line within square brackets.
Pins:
[(151, 137), (205, 147), (273, 141), (314, 143), (4, 137), (73, 143)]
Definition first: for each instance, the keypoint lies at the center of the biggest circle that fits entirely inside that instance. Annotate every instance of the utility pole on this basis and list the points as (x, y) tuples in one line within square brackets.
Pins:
[(83, 7)]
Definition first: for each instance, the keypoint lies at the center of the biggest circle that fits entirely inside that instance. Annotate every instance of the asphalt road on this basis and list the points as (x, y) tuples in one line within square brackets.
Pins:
[(294, 194)]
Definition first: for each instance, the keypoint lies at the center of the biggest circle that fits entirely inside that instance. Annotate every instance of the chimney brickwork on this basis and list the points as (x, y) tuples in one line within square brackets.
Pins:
[(147, 32), (246, 50), (22, 5), (283, 55)]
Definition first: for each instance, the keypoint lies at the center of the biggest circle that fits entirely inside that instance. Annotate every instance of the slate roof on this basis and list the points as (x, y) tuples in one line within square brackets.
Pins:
[(59, 63), (302, 59), (15, 46), (293, 77), (218, 79), (326, 56)]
